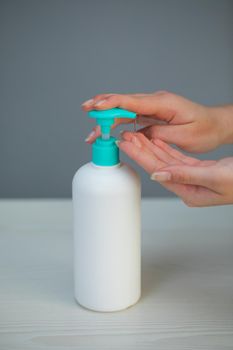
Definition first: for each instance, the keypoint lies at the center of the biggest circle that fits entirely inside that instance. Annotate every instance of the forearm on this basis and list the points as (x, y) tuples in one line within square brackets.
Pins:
[(224, 121)]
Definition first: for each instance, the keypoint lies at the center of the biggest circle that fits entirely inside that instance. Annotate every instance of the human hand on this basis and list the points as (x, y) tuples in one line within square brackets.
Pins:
[(198, 183), (191, 126)]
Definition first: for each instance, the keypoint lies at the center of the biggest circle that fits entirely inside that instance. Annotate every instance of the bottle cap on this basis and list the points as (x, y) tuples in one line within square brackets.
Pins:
[(104, 150)]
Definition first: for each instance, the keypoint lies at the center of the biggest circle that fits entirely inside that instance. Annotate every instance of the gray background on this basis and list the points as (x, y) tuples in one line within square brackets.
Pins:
[(55, 54)]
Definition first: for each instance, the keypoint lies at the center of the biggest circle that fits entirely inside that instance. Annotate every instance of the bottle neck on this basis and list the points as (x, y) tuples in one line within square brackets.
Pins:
[(105, 152)]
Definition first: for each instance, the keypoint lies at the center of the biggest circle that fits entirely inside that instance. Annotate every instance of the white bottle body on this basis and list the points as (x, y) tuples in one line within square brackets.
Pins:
[(107, 237)]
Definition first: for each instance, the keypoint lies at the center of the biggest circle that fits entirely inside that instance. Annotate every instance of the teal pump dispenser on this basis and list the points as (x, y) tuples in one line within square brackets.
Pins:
[(104, 150)]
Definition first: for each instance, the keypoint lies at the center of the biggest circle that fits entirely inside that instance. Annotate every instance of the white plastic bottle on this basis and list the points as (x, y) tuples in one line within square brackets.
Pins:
[(107, 225)]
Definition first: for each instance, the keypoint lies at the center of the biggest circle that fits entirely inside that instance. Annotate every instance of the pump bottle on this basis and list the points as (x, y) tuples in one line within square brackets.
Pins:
[(107, 224)]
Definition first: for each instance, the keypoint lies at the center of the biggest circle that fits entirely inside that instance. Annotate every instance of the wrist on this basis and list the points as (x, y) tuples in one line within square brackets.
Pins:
[(223, 118)]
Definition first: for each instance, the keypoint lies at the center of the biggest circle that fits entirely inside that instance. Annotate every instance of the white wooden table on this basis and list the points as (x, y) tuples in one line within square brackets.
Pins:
[(187, 273)]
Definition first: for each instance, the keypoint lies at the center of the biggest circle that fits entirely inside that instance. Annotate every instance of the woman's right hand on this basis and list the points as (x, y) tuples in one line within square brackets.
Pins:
[(171, 118)]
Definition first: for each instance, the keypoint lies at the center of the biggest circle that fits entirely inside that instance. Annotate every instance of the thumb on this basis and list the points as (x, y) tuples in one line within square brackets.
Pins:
[(191, 175)]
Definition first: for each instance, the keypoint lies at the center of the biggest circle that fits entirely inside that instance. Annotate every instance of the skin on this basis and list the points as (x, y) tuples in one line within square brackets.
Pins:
[(198, 183), (167, 118)]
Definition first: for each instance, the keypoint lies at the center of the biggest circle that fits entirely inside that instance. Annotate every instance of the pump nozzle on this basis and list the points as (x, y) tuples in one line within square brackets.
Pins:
[(105, 118), (104, 150)]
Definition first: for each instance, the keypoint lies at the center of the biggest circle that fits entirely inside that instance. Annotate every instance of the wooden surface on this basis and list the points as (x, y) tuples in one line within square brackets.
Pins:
[(187, 273)]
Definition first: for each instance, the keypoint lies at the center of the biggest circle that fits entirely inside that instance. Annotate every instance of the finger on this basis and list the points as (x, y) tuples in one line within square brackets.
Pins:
[(130, 102), (160, 154), (193, 175), (175, 154), (182, 157), (88, 104), (93, 134), (138, 152), (194, 196), (163, 154), (145, 159), (153, 105), (148, 145)]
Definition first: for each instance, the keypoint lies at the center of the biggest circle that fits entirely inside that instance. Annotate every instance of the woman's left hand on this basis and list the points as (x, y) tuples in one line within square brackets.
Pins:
[(197, 182)]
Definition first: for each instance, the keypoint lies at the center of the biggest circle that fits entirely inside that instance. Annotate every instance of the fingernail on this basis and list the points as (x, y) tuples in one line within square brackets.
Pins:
[(121, 136), (99, 103), (161, 176), (88, 102), (136, 141), (90, 136), (117, 142)]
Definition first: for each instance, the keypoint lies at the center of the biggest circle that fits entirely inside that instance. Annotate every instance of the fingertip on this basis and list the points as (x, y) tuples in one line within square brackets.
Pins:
[(89, 141), (139, 155), (88, 103), (126, 135), (161, 176), (136, 141), (117, 142), (86, 108), (99, 104), (93, 134), (104, 103)]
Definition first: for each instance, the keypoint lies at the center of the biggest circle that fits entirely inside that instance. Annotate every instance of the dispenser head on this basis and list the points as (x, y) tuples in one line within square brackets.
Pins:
[(105, 118), (104, 150)]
